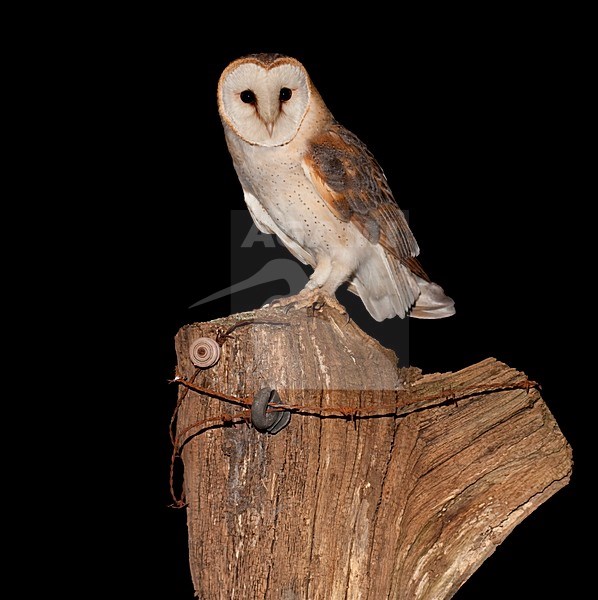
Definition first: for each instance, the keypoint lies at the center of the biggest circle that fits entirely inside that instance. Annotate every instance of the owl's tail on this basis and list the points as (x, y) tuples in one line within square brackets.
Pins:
[(432, 302), (390, 288)]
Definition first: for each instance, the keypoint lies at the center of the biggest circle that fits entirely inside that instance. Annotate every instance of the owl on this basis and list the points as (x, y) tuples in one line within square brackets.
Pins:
[(316, 186)]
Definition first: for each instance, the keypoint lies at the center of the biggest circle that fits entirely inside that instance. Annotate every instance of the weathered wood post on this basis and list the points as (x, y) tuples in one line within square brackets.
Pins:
[(385, 484)]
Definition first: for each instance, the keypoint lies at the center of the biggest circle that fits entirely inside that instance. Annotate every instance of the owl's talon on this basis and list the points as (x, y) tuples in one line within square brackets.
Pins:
[(312, 300)]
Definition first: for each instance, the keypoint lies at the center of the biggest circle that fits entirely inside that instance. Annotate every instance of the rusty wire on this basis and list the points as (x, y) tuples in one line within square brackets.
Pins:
[(224, 335), (388, 409), (221, 338)]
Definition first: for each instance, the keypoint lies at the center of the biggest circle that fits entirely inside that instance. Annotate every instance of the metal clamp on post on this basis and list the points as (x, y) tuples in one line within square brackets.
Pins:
[(270, 422)]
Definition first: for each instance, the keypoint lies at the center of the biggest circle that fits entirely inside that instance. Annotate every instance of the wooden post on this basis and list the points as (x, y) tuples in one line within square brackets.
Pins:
[(388, 484)]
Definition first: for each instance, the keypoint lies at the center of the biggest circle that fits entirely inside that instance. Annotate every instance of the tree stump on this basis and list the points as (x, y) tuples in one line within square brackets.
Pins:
[(386, 483)]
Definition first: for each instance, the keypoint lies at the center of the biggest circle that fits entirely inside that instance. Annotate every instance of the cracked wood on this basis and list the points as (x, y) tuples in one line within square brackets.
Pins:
[(401, 507)]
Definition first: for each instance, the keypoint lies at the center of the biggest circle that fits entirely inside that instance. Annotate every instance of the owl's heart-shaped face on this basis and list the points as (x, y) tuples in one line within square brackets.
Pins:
[(264, 103)]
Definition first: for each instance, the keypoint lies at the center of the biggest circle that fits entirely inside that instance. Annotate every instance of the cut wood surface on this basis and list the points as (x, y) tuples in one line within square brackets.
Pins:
[(387, 484)]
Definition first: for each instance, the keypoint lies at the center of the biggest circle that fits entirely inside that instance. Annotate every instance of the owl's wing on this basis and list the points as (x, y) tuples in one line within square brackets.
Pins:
[(352, 183)]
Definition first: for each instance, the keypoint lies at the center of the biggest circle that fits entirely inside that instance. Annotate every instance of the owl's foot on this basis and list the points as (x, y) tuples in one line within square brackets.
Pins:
[(313, 300)]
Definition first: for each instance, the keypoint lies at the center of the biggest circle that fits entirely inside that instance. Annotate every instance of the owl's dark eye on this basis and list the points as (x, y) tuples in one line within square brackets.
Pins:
[(248, 97), (285, 94)]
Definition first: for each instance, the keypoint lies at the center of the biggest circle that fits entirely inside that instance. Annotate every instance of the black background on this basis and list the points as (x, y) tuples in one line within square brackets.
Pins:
[(468, 124)]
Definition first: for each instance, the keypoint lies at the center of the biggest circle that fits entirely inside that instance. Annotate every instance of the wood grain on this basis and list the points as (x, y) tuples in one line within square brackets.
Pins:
[(401, 506)]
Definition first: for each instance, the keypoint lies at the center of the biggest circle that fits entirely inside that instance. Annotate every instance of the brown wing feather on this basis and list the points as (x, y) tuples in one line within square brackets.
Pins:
[(415, 267), (352, 183)]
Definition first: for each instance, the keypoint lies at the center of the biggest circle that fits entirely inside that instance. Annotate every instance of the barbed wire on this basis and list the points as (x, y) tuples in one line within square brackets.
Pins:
[(404, 400)]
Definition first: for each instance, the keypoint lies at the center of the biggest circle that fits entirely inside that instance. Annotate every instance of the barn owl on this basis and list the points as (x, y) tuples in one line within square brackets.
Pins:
[(316, 186)]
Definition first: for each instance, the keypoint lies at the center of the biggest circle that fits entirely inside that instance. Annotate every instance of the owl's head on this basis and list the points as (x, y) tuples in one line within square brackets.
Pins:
[(264, 98)]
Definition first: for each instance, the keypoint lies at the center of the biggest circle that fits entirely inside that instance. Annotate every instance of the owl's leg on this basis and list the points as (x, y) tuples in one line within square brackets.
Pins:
[(320, 276)]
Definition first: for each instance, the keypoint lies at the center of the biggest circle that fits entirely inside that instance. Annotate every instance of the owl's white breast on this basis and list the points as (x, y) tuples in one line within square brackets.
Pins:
[(276, 179)]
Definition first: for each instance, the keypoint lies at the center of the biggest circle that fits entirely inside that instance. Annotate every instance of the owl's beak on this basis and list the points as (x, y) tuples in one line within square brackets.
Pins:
[(269, 112)]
